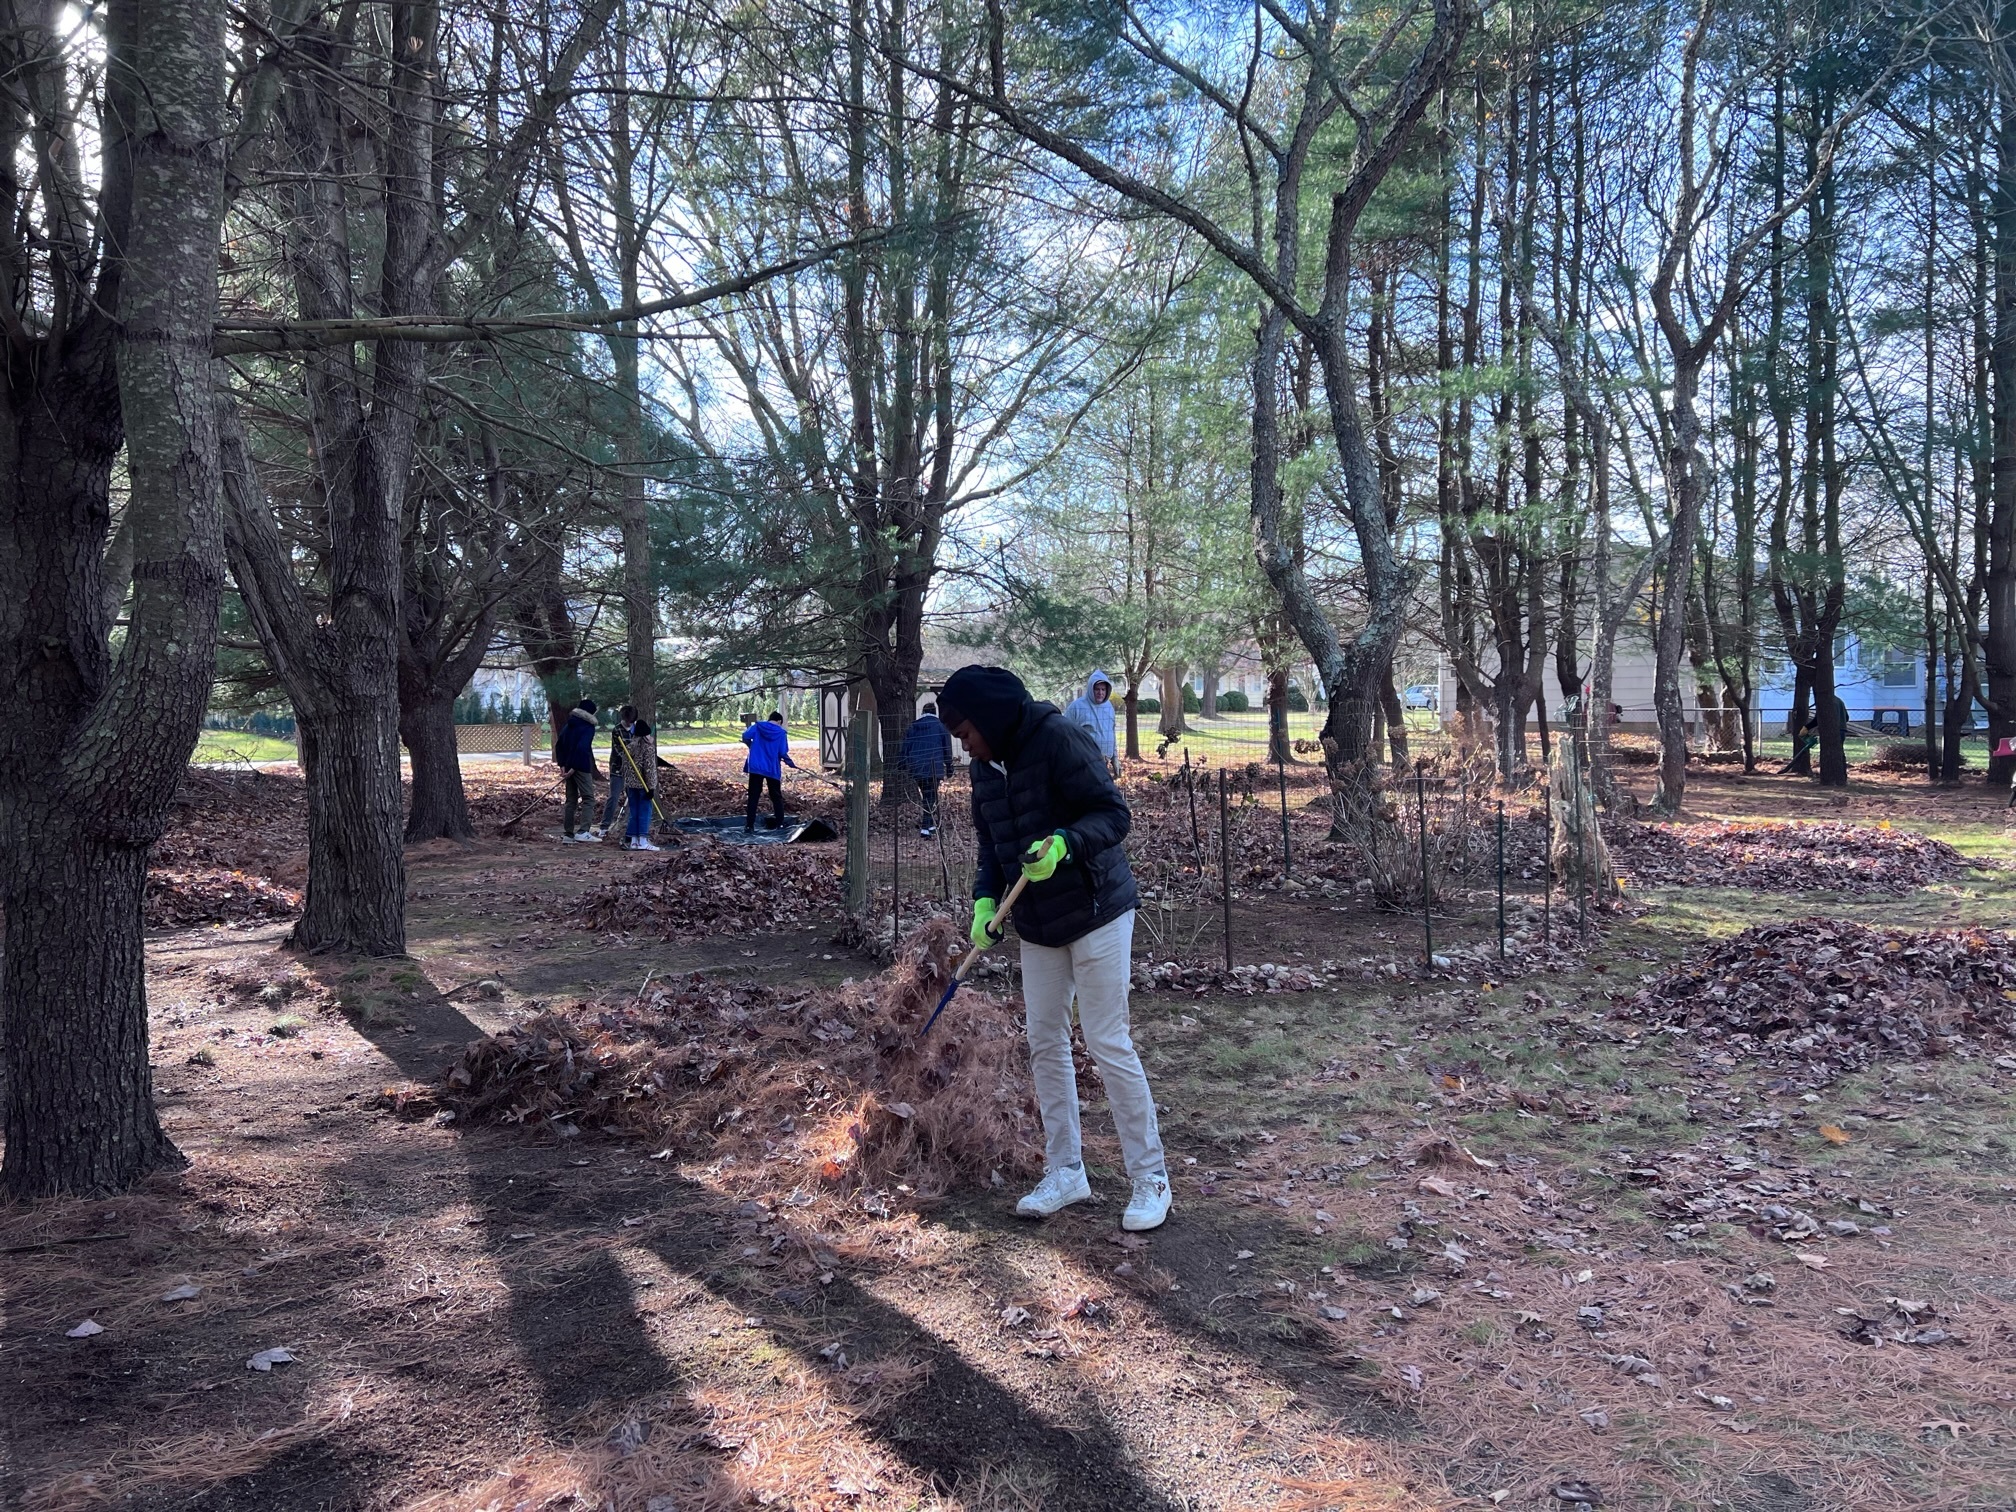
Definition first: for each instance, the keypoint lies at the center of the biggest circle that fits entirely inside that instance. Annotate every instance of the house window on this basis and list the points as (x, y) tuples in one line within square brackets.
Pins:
[(1898, 673)]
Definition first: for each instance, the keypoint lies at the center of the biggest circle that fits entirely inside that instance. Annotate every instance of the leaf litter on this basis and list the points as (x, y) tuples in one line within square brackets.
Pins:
[(1828, 997), (1784, 856)]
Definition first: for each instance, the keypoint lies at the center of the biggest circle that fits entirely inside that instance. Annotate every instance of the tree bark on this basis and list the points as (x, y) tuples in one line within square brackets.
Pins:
[(1999, 644), (437, 808), (92, 750), (1171, 724)]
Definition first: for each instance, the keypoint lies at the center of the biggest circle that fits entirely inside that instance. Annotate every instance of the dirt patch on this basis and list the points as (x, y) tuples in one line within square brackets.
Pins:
[(1827, 997), (1866, 860)]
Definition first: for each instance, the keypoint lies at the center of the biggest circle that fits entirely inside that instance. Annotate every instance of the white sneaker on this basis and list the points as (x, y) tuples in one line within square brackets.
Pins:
[(647, 845), (1150, 1205), (1055, 1192)]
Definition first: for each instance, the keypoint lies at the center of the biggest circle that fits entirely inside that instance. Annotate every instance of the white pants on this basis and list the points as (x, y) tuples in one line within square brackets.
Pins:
[(1098, 968)]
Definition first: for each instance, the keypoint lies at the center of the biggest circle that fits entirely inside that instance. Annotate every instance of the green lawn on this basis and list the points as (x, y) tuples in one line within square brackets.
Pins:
[(715, 733), (1243, 737), (218, 747)]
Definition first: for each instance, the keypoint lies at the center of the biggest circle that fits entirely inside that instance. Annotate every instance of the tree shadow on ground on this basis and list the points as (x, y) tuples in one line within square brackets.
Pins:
[(573, 1319)]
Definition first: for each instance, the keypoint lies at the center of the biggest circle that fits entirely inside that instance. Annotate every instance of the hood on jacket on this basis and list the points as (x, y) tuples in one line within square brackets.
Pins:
[(1098, 676), (583, 715), (991, 699)]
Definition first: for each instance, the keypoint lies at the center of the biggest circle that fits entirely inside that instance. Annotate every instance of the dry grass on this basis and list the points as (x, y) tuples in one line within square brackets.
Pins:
[(795, 1440), (190, 1461)]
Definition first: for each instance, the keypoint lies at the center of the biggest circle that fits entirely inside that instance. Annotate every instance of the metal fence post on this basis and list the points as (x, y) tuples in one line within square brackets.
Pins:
[(1225, 862), (857, 812), (1287, 856), (1427, 892), (1501, 879)]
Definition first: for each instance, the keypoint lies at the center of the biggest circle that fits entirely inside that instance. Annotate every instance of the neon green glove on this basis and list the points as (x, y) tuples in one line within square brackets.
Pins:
[(1041, 860), (983, 932)]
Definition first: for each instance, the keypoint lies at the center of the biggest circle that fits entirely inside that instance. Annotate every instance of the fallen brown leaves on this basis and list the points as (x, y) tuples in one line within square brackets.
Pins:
[(833, 1087), (1833, 996), (231, 846), (1783, 856), (708, 887)]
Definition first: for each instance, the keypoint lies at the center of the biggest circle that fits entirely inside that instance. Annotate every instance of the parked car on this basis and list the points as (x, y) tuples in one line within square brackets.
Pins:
[(1420, 696)]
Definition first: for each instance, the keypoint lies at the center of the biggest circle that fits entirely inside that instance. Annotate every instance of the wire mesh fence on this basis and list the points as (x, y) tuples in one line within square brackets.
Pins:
[(1240, 862)]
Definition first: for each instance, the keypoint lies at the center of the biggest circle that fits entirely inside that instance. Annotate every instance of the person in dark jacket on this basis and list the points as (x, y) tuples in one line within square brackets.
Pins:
[(769, 753), (1046, 808), (574, 752), (927, 756)]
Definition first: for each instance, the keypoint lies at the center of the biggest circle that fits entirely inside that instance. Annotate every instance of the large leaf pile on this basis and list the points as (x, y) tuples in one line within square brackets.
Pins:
[(1781, 856), (834, 1080), (1833, 997), (707, 887)]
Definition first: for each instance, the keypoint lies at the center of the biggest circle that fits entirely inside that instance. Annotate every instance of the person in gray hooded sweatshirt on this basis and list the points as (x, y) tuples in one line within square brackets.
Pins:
[(1092, 712)]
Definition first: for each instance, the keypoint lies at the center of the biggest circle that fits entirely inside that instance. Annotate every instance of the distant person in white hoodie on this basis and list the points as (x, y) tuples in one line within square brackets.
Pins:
[(1092, 712)]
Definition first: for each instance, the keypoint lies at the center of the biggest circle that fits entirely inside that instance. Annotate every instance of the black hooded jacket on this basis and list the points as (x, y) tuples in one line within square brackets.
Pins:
[(1046, 776)]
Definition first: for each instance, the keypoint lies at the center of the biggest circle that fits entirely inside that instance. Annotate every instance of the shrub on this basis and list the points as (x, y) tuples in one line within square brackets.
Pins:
[(1190, 701), (1298, 701), (1232, 701), (1148, 705)]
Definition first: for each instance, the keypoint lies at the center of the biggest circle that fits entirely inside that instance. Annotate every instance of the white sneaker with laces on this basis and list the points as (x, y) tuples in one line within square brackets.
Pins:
[(1149, 1207), (1055, 1192), (647, 845)]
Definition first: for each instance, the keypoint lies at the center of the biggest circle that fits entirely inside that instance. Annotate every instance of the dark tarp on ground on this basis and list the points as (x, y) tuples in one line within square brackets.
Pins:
[(794, 832)]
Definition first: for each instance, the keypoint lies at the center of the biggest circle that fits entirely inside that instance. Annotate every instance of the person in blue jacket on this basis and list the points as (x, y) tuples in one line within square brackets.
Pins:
[(769, 753), (927, 756), (574, 753)]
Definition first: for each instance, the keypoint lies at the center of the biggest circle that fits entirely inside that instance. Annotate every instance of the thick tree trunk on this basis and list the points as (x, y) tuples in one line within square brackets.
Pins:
[(356, 896), (640, 619), (1131, 703), (80, 1093), (1833, 759), (1999, 644), (1684, 477), (1280, 744), (1207, 700), (1171, 724), (1396, 720), (438, 808), (92, 750)]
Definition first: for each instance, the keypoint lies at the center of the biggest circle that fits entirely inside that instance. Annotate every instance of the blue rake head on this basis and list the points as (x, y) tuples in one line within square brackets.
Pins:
[(950, 988)]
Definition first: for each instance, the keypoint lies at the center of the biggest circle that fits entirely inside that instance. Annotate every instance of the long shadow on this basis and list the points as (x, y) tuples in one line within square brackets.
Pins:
[(578, 1330)]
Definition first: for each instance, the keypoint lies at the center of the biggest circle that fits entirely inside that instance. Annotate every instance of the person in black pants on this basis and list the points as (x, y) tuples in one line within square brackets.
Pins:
[(769, 753), (927, 755)]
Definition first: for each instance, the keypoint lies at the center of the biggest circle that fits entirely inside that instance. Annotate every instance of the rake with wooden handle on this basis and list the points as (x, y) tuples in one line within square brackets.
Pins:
[(966, 964)]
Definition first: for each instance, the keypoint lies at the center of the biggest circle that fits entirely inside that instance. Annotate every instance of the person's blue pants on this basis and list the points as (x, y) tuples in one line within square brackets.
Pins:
[(640, 813)]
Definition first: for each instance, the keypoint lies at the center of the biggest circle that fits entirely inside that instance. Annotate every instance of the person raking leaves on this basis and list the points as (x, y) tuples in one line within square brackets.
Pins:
[(769, 753), (1046, 808)]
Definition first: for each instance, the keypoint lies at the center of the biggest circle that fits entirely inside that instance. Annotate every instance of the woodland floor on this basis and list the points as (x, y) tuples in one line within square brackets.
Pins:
[(500, 1317)]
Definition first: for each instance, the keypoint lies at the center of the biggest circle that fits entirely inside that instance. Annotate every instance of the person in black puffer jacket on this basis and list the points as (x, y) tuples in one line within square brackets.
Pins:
[(1045, 806)]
